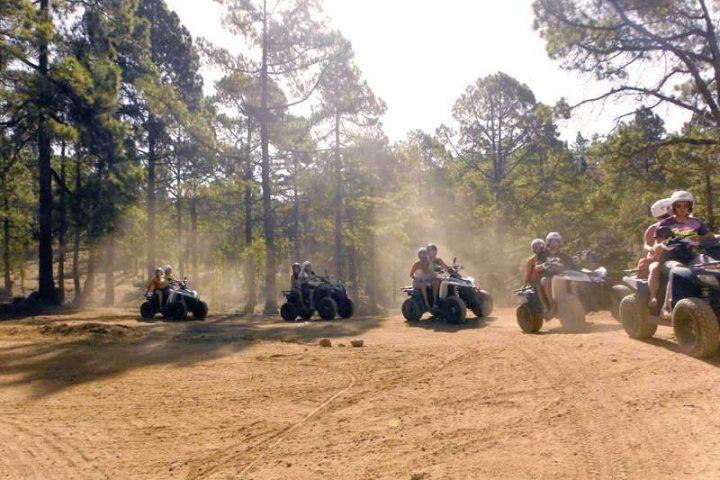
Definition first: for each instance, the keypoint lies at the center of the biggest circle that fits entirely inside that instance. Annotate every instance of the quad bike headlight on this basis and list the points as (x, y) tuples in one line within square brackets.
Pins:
[(708, 279)]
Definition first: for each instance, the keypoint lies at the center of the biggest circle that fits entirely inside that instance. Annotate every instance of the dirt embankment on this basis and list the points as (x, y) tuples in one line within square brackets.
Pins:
[(102, 395)]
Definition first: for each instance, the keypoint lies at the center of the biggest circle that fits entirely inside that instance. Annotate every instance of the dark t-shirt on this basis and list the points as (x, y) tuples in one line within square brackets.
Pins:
[(692, 227)]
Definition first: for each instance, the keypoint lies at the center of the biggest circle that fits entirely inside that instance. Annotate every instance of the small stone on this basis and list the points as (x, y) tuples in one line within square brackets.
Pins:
[(325, 342), (357, 343), (341, 345)]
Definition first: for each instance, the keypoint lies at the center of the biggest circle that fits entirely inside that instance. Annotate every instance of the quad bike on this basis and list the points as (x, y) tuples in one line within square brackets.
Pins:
[(456, 295), (330, 300), (696, 306), (179, 300), (575, 293)]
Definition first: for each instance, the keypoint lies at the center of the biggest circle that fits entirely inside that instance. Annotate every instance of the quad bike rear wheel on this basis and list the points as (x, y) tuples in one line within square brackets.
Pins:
[(571, 313), (288, 312), (453, 310), (411, 310), (484, 305), (147, 310), (696, 327), (528, 320), (346, 308), (327, 308), (176, 311), (200, 310), (633, 317)]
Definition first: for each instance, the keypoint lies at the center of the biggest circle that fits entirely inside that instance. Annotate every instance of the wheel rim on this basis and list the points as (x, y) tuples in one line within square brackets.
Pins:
[(524, 317), (686, 328)]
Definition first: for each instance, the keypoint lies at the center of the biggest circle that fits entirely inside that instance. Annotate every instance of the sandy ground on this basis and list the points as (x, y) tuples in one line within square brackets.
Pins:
[(255, 398)]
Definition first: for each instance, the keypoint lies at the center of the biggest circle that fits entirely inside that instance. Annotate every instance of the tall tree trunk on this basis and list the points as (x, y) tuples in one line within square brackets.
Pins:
[(150, 196), (77, 288), (297, 241), (89, 286), (339, 260), (45, 254), (110, 272), (62, 228), (268, 214), (193, 238), (6, 240), (709, 196), (179, 224), (250, 274)]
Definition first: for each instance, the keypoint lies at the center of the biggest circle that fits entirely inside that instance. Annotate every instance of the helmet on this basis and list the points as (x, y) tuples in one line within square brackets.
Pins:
[(422, 252), (682, 196), (661, 208), (307, 266), (296, 267), (158, 270), (431, 246), (537, 243), (167, 268), (553, 236)]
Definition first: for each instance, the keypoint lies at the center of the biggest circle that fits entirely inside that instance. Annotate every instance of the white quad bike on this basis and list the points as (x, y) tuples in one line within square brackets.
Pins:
[(455, 296), (180, 300), (578, 292)]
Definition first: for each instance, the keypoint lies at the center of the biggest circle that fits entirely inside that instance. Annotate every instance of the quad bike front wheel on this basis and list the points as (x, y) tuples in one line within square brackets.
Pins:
[(147, 310), (619, 292), (633, 317), (411, 310), (200, 310), (453, 310), (176, 311), (346, 308), (484, 305), (528, 320), (288, 312), (696, 327), (327, 308), (571, 313)]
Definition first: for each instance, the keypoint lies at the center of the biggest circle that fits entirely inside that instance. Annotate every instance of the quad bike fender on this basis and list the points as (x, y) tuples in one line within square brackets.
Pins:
[(562, 288), (446, 284)]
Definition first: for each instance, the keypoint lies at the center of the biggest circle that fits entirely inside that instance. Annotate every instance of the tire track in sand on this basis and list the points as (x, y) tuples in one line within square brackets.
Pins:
[(216, 464), (603, 442)]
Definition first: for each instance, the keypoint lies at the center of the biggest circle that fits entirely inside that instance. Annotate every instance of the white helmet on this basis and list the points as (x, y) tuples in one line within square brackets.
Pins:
[(682, 196), (538, 242), (167, 268), (307, 266), (661, 208), (553, 236)]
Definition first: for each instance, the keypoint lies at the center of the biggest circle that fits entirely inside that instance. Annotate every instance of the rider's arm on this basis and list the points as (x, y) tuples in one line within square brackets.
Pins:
[(649, 245), (414, 269), (440, 262), (529, 269)]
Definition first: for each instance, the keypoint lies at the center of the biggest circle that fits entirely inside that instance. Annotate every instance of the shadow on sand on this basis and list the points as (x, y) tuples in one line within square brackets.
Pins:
[(436, 324), (53, 364)]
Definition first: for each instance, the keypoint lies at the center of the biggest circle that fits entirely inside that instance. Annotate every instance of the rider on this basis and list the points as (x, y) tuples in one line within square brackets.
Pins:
[(683, 225), (295, 278), (157, 285), (532, 274), (436, 263), (421, 273), (660, 210), (305, 278), (553, 243), (168, 274)]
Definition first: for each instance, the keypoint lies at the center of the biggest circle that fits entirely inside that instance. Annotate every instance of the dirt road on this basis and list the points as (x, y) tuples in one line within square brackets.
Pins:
[(256, 398)]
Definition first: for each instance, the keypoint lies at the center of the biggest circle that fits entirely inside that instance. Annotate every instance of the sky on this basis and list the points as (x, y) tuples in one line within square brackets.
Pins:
[(420, 55)]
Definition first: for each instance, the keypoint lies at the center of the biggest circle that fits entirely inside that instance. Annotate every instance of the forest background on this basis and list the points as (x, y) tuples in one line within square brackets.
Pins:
[(114, 159)]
